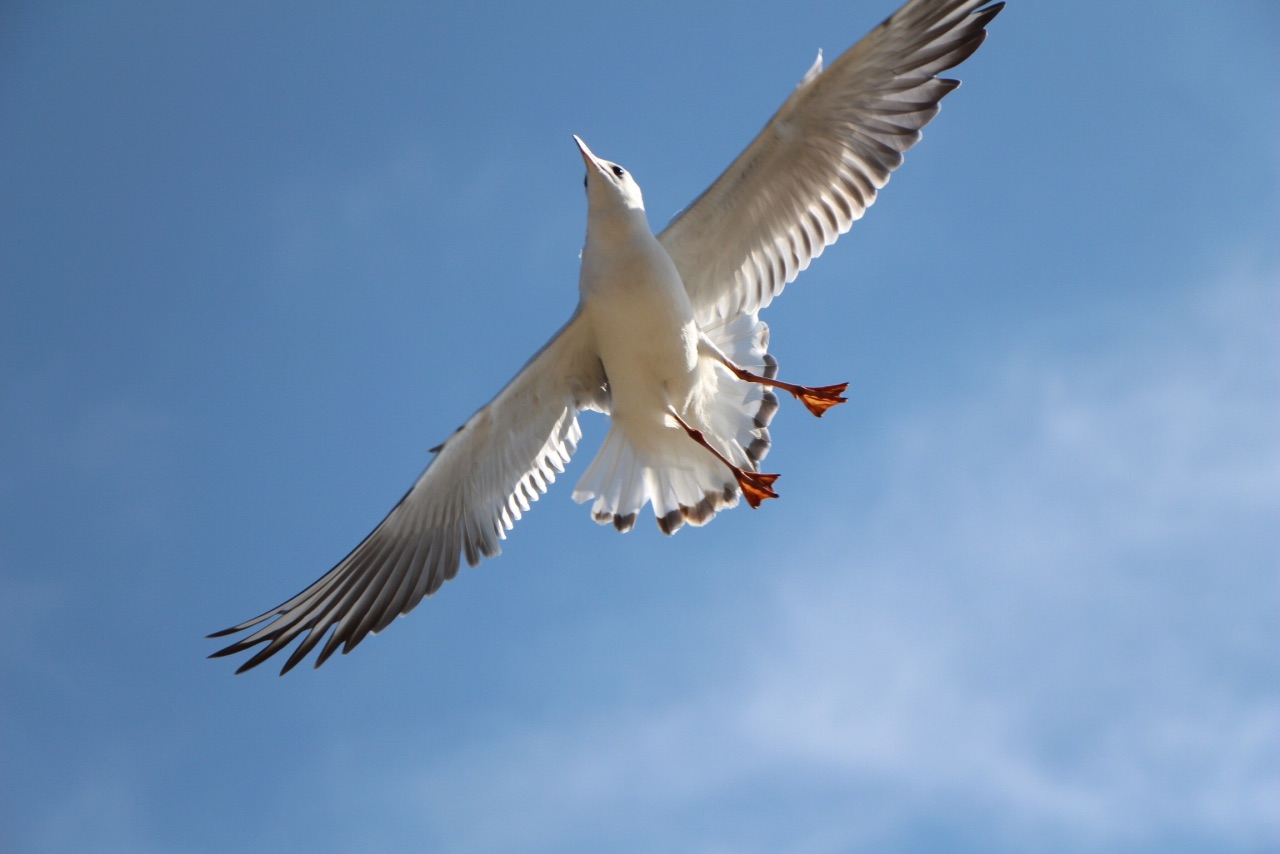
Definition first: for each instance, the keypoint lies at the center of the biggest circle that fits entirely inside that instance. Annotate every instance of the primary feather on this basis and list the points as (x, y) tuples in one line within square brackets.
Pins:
[(657, 322)]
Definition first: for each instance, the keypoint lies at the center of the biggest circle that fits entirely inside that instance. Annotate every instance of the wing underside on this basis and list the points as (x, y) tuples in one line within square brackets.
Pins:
[(820, 161)]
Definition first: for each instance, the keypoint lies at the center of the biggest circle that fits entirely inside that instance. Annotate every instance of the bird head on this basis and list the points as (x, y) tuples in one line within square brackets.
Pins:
[(609, 186)]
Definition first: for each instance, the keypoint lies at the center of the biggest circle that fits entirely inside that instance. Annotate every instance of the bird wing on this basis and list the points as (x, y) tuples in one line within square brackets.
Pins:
[(818, 163), (481, 480)]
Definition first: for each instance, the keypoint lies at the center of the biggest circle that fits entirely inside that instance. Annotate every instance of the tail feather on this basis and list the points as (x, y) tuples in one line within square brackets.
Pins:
[(740, 409), (683, 482)]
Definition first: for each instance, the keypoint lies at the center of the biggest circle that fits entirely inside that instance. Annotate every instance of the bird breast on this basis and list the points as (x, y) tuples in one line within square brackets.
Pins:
[(644, 324)]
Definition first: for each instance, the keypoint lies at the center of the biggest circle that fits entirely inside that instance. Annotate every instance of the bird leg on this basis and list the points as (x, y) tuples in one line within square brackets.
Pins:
[(817, 399), (756, 487)]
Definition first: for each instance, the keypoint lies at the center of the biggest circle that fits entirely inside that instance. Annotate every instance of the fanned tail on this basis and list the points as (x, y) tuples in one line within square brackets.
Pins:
[(682, 481)]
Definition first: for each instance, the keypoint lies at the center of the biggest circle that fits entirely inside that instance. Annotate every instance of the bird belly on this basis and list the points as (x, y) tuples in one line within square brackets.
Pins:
[(648, 372), (647, 339)]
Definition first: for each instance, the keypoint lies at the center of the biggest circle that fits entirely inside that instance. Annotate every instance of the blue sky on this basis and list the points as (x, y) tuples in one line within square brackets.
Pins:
[(1020, 594)]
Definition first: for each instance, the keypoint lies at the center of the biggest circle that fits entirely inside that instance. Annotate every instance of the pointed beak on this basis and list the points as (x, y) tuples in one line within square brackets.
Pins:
[(587, 157)]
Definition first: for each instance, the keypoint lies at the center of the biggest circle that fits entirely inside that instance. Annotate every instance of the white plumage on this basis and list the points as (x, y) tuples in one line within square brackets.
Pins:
[(666, 340)]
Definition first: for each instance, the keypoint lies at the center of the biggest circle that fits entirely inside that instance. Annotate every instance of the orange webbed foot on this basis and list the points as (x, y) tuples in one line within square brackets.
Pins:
[(819, 400), (756, 487)]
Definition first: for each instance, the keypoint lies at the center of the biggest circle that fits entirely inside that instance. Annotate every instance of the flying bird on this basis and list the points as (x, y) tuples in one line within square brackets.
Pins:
[(666, 340)]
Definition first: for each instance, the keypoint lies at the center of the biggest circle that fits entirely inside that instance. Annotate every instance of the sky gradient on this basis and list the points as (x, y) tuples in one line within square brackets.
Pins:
[(1020, 594)]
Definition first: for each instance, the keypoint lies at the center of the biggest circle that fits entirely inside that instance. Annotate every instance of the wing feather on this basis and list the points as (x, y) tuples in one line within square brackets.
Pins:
[(820, 161), (481, 481)]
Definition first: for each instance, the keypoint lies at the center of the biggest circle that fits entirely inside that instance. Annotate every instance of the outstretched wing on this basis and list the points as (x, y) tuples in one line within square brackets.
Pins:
[(818, 163), (481, 481)]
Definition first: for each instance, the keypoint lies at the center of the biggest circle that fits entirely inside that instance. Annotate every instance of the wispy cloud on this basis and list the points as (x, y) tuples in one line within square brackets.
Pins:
[(1033, 625), (1035, 634)]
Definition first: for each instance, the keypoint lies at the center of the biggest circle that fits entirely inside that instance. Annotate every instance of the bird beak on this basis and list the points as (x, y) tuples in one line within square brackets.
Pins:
[(587, 157)]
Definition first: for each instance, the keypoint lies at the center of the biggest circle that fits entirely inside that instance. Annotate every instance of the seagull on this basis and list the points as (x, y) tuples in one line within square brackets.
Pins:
[(666, 340)]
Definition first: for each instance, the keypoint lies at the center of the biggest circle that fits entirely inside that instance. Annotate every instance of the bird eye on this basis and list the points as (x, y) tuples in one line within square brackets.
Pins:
[(584, 180), (619, 171)]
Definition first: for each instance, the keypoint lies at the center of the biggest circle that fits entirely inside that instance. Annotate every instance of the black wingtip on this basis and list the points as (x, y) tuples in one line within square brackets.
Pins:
[(986, 13), (261, 656), (233, 648)]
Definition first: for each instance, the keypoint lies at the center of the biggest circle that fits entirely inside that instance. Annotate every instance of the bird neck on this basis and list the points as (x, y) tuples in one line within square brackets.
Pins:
[(614, 223)]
